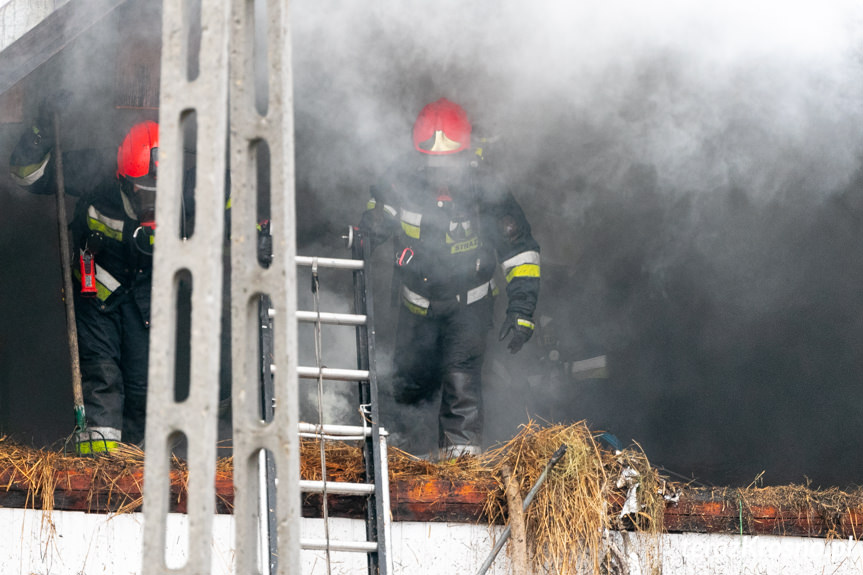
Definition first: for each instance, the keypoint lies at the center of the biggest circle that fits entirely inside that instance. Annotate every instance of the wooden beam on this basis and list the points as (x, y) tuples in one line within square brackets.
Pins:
[(518, 539), (423, 499), (49, 37)]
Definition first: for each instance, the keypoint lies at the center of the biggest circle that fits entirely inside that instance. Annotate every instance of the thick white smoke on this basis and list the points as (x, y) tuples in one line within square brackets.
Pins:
[(683, 166)]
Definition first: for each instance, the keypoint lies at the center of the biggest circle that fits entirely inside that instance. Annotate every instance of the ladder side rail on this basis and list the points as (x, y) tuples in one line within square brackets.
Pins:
[(379, 440), (365, 399), (368, 389), (385, 525)]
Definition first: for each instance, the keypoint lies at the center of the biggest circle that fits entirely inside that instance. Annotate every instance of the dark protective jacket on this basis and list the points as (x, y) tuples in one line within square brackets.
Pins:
[(450, 229), (113, 337), (104, 222), (448, 239), (121, 247)]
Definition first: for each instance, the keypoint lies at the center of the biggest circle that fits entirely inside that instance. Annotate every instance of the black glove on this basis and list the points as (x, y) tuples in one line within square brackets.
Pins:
[(39, 140), (522, 328), (265, 244)]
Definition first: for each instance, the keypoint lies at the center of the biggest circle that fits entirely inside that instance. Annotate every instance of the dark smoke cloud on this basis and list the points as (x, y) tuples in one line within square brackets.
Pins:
[(693, 175)]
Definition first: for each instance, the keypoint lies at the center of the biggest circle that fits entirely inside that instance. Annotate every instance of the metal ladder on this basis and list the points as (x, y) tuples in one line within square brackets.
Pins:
[(375, 488)]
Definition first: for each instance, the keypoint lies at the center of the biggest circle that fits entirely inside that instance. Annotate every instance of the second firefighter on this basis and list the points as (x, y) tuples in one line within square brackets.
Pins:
[(452, 222)]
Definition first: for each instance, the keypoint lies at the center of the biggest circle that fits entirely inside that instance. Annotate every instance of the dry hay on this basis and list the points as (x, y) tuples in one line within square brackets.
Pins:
[(43, 472), (581, 498), (579, 502), (828, 506), (565, 522), (40, 470)]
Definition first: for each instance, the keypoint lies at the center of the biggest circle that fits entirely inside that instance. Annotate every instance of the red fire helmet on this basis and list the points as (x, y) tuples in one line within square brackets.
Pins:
[(138, 156), (441, 128)]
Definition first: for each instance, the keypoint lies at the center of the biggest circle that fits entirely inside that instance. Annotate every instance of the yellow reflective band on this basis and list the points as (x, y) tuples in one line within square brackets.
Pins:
[(111, 227), (525, 323), (411, 231), (465, 246), (95, 446), (228, 204), (98, 226), (26, 175), (415, 309), (529, 257), (523, 271), (479, 152), (370, 205), (416, 303), (411, 223)]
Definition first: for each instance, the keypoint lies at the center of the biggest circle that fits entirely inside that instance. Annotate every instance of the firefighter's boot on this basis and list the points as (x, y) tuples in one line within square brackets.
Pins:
[(460, 420)]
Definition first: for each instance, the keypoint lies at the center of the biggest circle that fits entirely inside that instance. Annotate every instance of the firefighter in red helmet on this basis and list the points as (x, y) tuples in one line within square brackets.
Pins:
[(113, 233), (452, 222)]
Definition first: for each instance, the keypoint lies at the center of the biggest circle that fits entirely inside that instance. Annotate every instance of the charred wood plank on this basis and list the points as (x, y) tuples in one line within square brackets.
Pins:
[(424, 499)]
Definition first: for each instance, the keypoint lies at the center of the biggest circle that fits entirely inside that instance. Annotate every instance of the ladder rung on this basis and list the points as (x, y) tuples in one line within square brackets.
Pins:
[(332, 318), (332, 437), (336, 487), (329, 429), (333, 373), (336, 263), (353, 546)]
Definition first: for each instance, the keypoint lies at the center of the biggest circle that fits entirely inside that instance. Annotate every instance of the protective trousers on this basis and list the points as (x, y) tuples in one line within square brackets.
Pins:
[(444, 351), (113, 344)]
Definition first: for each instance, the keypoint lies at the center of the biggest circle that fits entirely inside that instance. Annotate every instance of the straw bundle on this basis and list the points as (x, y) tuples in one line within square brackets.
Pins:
[(590, 492), (580, 500)]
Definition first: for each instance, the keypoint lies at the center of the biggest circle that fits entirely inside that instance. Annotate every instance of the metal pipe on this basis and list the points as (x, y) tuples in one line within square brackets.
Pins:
[(331, 318), (336, 487), (334, 429), (326, 437), (332, 373), (336, 263), (353, 546), (527, 501)]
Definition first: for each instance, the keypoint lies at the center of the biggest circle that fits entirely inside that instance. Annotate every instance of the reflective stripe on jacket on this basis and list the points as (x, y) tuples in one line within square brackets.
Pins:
[(420, 305), (448, 239)]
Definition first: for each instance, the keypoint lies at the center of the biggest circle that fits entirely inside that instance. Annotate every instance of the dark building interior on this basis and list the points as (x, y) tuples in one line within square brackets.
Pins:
[(700, 223)]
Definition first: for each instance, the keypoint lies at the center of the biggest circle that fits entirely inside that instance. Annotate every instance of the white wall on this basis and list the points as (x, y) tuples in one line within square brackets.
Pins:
[(72, 543)]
